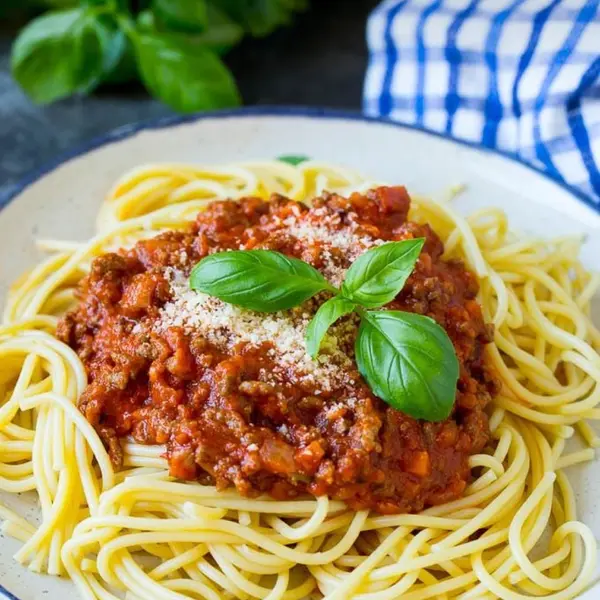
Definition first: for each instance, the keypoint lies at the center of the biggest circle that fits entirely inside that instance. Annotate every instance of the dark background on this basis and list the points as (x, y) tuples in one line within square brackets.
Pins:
[(319, 61)]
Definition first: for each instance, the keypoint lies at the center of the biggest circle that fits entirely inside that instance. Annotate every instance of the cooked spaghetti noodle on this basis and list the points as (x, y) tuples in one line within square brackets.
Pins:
[(140, 534)]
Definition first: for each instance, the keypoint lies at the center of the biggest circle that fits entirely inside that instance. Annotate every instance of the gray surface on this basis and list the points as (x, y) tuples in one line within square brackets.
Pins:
[(320, 61)]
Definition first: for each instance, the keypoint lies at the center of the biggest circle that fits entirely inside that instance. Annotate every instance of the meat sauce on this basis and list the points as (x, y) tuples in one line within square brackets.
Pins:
[(229, 417)]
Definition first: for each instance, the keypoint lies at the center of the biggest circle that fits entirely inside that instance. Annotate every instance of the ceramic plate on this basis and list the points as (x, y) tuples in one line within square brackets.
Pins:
[(62, 201)]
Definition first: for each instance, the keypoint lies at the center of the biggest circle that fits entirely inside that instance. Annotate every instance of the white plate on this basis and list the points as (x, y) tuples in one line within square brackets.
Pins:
[(62, 202)]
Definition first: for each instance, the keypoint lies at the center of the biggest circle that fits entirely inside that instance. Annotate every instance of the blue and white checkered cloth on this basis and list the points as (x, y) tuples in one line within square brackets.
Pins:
[(520, 76)]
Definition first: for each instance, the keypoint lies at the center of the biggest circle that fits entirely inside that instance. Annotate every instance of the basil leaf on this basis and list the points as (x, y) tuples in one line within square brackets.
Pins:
[(261, 280), (219, 38), (408, 361), (113, 42), (184, 76), (125, 67), (378, 275), (292, 159), (261, 17), (220, 35), (119, 4), (221, 27), (329, 312), (146, 22), (185, 15), (65, 52)]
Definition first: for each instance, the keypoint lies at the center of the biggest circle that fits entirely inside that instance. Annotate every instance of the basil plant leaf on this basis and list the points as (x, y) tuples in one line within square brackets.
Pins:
[(329, 312), (119, 4), (125, 67), (185, 76), (146, 22), (185, 15), (261, 17), (261, 280), (408, 361), (65, 52), (293, 159), (219, 38), (378, 275), (220, 35), (112, 40)]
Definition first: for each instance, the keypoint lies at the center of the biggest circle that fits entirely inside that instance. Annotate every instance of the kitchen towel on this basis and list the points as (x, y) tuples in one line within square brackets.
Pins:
[(520, 76)]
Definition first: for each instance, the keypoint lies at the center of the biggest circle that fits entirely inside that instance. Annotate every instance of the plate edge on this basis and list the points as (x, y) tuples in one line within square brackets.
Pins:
[(130, 130)]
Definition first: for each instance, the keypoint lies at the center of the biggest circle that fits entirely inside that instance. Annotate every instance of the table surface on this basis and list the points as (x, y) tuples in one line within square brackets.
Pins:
[(319, 61)]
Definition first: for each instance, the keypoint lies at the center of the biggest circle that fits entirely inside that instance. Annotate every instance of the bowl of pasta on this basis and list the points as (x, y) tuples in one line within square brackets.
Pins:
[(289, 354)]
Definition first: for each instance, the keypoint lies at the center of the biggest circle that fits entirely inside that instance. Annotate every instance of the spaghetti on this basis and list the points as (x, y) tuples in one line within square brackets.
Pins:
[(140, 534)]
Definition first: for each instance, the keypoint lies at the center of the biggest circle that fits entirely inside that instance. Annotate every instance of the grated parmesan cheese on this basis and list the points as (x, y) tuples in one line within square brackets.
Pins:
[(225, 326), (346, 240)]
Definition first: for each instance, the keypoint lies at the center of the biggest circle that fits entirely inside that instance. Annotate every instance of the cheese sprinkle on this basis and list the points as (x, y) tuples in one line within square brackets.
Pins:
[(227, 326)]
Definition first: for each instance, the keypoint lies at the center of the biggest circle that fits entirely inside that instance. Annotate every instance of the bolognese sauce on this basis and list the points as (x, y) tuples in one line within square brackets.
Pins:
[(233, 395)]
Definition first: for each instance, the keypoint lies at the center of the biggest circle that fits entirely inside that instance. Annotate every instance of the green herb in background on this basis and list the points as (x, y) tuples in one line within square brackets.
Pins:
[(293, 159), (172, 46), (407, 359)]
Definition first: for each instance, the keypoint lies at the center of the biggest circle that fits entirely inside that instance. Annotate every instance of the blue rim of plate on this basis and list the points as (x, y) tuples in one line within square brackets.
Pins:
[(266, 111)]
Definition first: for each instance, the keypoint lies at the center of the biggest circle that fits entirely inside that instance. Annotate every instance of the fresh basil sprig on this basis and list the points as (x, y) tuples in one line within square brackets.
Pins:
[(172, 46), (261, 280), (407, 359)]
